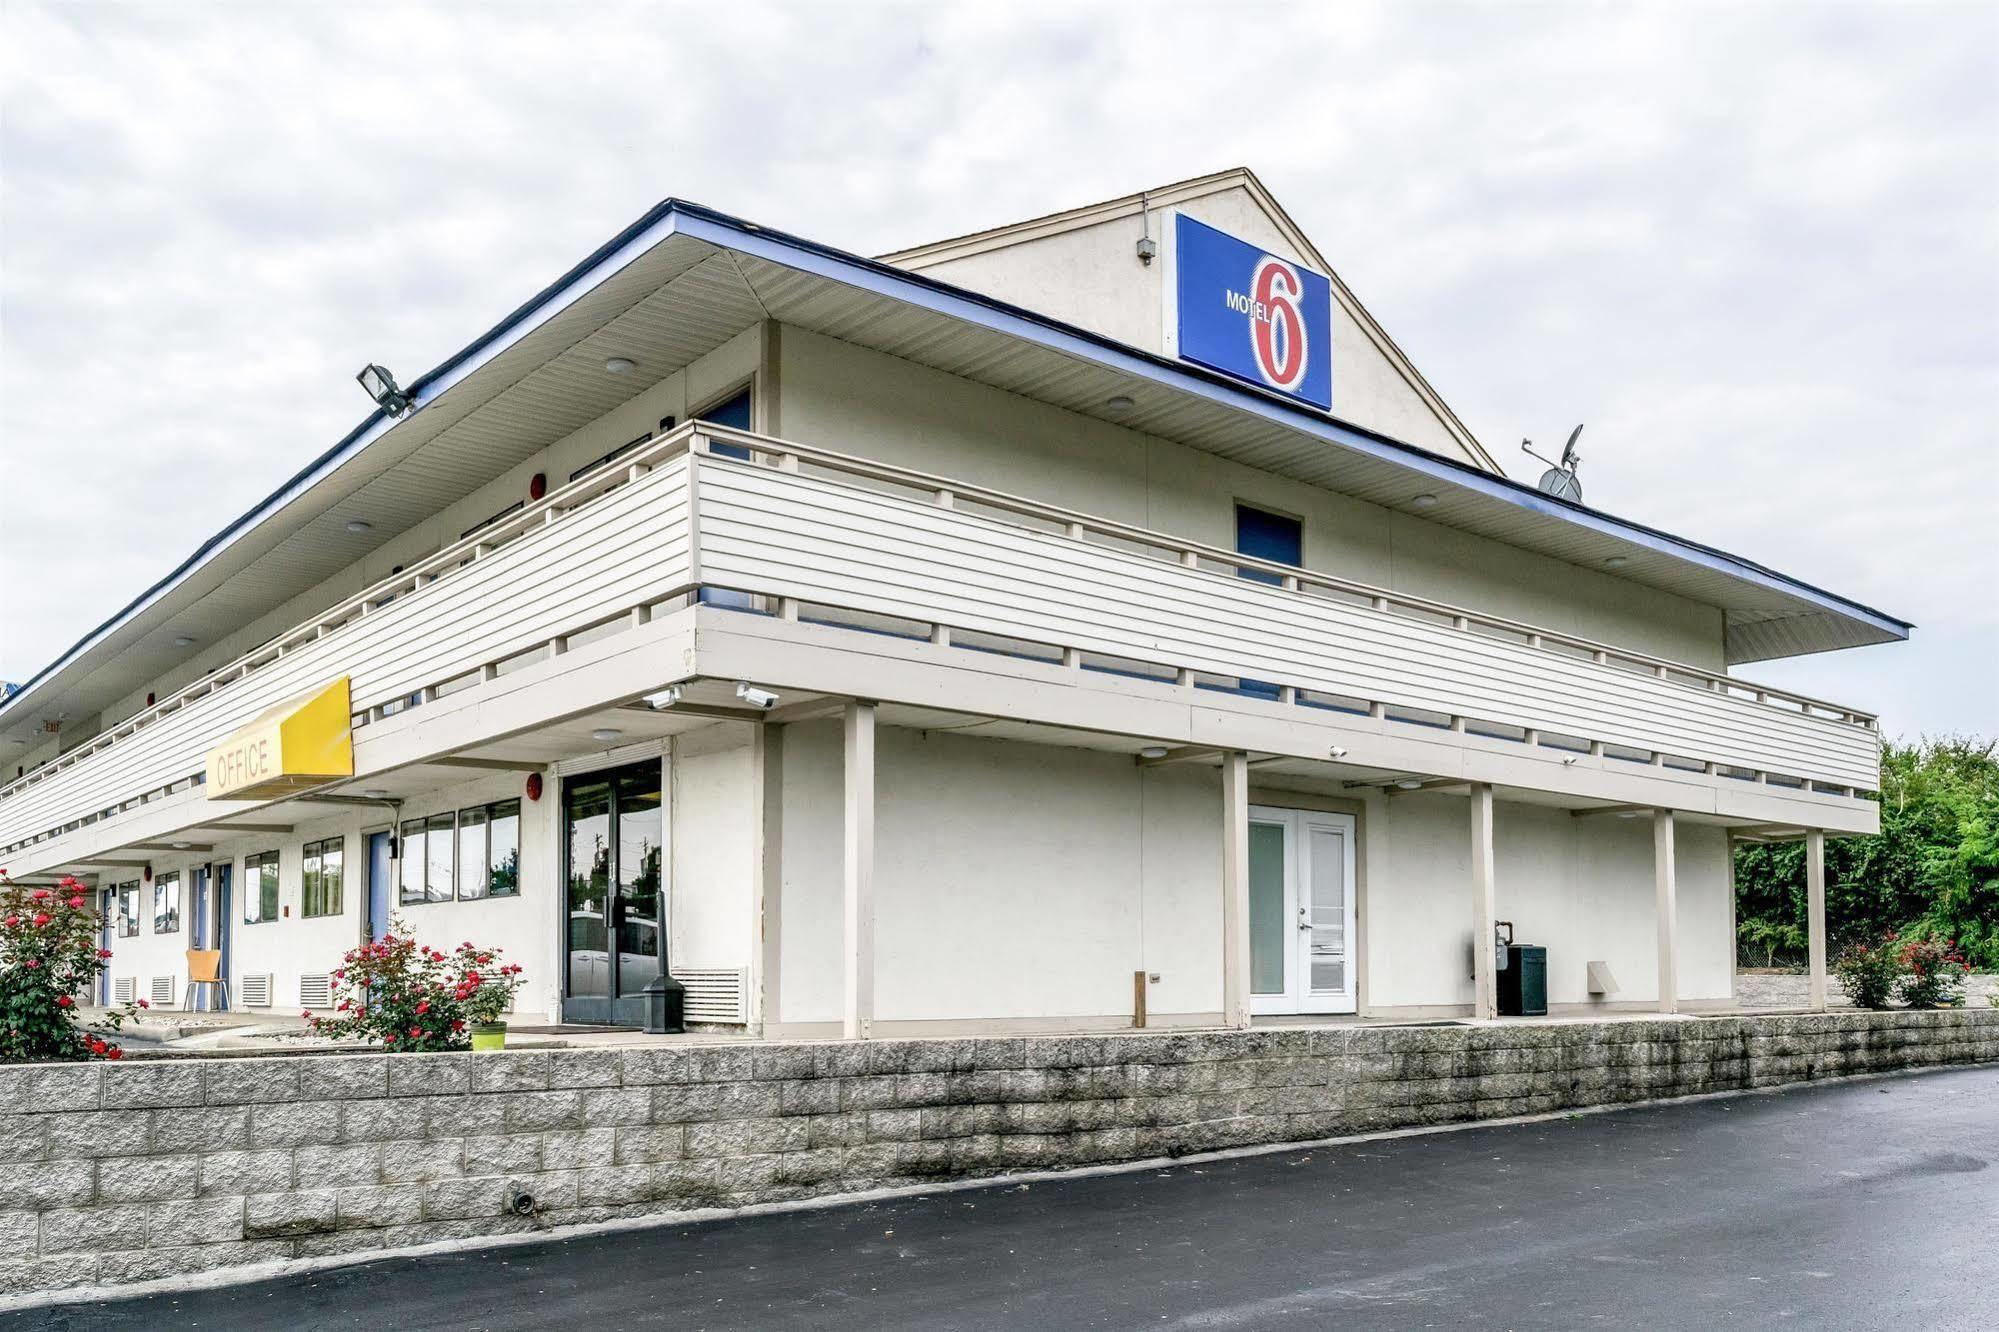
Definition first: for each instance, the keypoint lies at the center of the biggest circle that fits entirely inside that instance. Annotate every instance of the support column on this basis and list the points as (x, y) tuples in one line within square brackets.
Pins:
[(768, 756), (858, 870), (1485, 985), (1235, 889), (1815, 913), (1666, 910)]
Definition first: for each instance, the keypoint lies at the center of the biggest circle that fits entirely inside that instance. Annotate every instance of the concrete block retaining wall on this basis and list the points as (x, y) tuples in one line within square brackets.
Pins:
[(115, 1173), (1763, 989)]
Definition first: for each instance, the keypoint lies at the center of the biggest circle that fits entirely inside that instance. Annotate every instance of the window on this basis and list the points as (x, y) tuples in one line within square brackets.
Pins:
[(166, 904), (260, 888), (322, 871), (503, 849), (1268, 536), (511, 509), (489, 851), (128, 909), (427, 859), (612, 456)]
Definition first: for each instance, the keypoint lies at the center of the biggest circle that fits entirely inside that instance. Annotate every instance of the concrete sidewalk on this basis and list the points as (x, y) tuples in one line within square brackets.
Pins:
[(1867, 1203)]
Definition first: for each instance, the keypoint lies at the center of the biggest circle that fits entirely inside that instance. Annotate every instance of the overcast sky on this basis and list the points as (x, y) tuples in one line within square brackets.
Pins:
[(1756, 248)]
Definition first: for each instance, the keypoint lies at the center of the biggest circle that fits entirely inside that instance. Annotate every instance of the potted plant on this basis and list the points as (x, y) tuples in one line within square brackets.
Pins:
[(486, 988)]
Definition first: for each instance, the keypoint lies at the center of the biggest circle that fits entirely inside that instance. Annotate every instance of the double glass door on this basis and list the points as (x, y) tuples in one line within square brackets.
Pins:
[(613, 839), (1301, 911)]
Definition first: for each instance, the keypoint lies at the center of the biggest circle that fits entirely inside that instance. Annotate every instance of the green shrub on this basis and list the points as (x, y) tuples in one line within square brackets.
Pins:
[(1869, 971)]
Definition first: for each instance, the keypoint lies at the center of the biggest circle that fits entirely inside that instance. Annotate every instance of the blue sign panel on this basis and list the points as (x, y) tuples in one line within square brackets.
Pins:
[(1253, 315)]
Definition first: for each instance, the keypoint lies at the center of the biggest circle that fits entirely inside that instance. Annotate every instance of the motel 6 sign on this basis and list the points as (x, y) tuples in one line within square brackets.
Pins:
[(1252, 315)]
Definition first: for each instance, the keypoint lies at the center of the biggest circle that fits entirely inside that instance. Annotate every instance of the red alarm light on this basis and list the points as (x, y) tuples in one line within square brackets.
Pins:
[(534, 786), (537, 485)]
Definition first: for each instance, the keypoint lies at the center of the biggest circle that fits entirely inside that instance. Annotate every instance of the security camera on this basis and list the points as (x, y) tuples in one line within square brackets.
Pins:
[(1338, 751), (755, 697), (665, 698)]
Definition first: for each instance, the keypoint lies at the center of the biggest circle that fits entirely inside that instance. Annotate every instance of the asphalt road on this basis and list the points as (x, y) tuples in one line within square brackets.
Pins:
[(1864, 1204)]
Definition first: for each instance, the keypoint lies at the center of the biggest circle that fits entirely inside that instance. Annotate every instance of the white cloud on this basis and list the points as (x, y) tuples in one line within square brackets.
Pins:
[(1754, 247)]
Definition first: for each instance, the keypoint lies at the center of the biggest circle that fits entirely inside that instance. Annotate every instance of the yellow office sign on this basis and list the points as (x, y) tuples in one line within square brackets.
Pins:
[(301, 743)]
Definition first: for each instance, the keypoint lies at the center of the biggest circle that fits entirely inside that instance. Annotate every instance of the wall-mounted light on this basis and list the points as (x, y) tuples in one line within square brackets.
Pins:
[(380, 385)]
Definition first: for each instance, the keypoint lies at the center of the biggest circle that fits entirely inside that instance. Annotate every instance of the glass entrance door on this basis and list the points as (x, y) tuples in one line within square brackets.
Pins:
[(614, 868), (1301, 911)]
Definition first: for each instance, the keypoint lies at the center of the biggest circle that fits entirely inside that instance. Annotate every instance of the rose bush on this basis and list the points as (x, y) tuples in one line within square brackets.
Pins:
[(1869, 971), (49, 956), (408, 996), (1932, 974)]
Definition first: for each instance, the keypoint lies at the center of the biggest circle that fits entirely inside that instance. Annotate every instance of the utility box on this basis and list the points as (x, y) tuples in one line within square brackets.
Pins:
[(1523, 981)]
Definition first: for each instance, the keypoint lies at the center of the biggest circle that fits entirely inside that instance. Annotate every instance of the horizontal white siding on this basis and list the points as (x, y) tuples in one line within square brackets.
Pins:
[(804, 537), (624, 549)]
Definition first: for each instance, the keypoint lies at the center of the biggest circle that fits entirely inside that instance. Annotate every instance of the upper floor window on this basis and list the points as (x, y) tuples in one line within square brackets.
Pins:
[(1275, 537), (260, 887), (166, 903), (322, 874), (472, 854)]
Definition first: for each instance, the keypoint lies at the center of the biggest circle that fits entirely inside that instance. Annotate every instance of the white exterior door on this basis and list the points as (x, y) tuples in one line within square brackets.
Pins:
[(1301, 911)]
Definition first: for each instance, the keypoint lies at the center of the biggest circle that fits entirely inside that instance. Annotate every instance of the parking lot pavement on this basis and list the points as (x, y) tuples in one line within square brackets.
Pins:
[(1856, 1204)]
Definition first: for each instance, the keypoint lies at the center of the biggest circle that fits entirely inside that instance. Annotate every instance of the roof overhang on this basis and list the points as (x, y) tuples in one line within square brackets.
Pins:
[(870, 303)]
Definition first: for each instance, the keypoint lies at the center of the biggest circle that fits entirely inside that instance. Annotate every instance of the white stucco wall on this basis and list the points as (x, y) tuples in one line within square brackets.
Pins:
[(1581, 887), (1011, 880), (1017, 880)]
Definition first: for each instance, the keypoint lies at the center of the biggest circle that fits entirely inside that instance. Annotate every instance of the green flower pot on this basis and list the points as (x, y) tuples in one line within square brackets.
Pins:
[(489, 1036)]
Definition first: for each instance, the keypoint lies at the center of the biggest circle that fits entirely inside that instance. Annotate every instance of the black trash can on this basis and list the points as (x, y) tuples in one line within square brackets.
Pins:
[(1523, 981)]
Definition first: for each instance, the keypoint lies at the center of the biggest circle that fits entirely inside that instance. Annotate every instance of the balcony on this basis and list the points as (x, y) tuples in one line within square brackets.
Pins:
[(805, 534)]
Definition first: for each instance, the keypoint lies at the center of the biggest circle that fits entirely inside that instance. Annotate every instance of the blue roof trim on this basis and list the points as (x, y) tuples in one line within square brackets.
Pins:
[(678, 216)]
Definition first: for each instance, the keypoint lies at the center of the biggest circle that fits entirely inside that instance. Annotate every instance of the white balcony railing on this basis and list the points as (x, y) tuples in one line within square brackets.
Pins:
[(839, 539)]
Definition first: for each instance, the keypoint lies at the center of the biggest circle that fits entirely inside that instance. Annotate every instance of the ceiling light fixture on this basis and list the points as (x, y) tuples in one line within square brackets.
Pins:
[(1617, 562), (1153, 752), (358, 525), (620, 365), (183, 641), (604, 735), (182, 846), (1424, 501), (1409, 784), (1118, 404), (376, 793)]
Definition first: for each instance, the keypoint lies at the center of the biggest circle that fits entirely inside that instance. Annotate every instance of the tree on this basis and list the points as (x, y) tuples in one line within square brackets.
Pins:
[(1931, 872)]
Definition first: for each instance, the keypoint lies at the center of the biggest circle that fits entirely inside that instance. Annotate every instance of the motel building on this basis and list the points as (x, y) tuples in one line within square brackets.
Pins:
[(1089, 622)]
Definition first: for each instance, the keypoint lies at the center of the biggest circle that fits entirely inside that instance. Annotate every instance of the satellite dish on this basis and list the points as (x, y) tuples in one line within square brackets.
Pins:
[(1560, 478)]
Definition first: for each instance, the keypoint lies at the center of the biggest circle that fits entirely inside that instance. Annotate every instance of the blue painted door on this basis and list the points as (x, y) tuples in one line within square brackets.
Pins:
[(381, 873), (224, 921), (199, 928), (110, 900), (734, 413), (1273, 537)]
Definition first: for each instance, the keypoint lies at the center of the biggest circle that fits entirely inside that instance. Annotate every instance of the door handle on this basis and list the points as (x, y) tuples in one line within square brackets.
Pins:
[(1304, 919)]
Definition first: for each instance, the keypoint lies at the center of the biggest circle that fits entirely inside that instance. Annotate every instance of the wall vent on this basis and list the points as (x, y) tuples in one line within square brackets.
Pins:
[(255, 991), (124, 989), (163, 991), (315, 991), (715, 994)]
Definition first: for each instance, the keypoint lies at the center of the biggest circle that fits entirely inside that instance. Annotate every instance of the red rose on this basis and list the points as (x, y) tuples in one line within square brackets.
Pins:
[(423, 1007), (75, 902), (416, 1032), (104, 952), (41, 895), (97, 1046), (114, 1053), (32, 965), (41, 919), (145, 1003), (12, 921), (64, 1001)]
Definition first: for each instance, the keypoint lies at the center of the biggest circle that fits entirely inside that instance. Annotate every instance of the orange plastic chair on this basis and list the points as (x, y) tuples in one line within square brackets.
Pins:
[(204, 967)]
